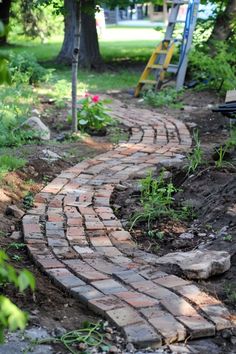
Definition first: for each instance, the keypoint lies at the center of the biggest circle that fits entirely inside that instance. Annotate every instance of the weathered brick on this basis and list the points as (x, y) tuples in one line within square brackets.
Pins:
[(121, 235), (108, 251), (124, 316), (219, 315), (142, 335), (108, 286), (128, 276), (171, 281), (83, 250), (137, 300), (178, 306), (194, 294), (105, 304), (86, 293), (165, 323), (65, 278), (198, 327), (100, 241)]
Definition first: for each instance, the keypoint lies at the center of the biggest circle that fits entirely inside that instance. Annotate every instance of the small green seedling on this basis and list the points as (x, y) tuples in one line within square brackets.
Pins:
[(195, 158)]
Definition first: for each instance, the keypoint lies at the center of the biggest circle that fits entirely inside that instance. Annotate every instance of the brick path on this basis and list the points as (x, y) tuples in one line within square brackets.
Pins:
[(74, 237)]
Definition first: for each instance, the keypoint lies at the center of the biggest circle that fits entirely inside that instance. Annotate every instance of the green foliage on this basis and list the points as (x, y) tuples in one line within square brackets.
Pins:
[(223, 149), (25, 69), (168, 97), (214, 69), (28, 201), (230, 290), (93, 113), (10, 163), (156, 199), (195, 158), (11, 317)]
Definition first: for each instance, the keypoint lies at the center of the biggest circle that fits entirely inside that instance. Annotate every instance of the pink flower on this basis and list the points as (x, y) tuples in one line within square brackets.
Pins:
[(95, 99), (87, 95)]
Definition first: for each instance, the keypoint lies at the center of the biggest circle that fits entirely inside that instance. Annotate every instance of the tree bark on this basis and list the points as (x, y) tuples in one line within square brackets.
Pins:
[(75, 59), (5, 6), (89, 49), (223, 25)]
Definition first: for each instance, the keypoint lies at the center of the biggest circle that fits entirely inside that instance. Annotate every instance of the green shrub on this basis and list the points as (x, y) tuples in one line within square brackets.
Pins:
[(10, 163), (168, 97), (214, 68), (11, 317), (24, 68)]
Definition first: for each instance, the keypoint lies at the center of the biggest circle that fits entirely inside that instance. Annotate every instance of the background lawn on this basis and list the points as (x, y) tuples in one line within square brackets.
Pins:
[(118, 45)]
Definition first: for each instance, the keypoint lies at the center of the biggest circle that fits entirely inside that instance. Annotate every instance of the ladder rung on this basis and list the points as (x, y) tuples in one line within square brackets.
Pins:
[(176, 2), (176, 21), (156, 66), (152, 82), (172, 68), (163, 51)]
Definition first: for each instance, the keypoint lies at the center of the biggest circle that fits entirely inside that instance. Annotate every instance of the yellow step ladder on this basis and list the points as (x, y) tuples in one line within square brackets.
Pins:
[(159, 61)]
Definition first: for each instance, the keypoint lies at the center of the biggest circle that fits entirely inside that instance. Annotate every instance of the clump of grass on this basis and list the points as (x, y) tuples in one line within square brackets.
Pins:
[(10, 163), (195, 158), (156, 199), (223, 149), (168, 97)]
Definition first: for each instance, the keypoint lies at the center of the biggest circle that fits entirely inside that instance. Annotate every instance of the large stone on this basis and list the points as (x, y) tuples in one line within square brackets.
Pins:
[(36, 124), (198, 264)]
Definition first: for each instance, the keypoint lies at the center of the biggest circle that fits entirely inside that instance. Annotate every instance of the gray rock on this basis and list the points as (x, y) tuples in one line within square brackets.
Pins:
[(198, 264), (14, 211), (50, 155), (176, 161), (186, 236), (36, 124), (36, 333), (16, 235)]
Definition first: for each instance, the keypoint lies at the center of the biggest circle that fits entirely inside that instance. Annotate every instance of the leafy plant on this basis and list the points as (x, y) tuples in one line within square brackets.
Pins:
[(169, 97), (156, 199), (223, 149), (10, 163), (25, 69), (214, 69), (93, 113), (28, 200), (195, 158), (11, 317)]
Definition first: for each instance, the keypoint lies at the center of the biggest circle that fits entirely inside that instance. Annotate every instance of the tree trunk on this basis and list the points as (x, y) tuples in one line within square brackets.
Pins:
[(223, 25), (5, 6), (75, 59), (89, 49)]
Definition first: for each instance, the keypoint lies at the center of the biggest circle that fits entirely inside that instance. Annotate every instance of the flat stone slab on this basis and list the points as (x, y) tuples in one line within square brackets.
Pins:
[(198, 264)]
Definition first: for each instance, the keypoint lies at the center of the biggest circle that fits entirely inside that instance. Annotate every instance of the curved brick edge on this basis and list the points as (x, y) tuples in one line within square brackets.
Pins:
[(74, 237)]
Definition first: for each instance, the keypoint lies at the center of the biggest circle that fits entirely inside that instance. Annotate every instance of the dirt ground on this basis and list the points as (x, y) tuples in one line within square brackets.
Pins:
[(211, 192)]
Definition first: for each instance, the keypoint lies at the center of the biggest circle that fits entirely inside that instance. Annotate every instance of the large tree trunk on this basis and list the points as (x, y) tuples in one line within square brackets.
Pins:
[(89, 50), (5, 6), (223, 25)]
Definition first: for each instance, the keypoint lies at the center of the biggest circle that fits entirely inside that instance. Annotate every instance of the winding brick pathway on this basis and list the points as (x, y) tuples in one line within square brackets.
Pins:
[(73, 235)]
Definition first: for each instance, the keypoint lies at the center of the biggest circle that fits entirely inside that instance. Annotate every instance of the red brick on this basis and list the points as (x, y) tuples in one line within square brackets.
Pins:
[(137, 300)]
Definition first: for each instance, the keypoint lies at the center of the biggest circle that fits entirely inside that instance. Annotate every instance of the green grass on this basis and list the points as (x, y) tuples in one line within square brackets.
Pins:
[(119, 44), (9, 163)]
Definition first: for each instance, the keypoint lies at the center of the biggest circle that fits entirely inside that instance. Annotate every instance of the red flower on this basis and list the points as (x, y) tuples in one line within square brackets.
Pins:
[(95, 99)]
